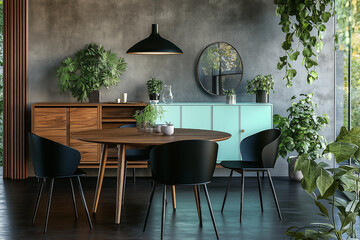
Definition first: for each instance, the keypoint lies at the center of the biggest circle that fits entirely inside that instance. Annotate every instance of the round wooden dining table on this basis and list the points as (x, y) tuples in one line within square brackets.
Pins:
[(130, 137)]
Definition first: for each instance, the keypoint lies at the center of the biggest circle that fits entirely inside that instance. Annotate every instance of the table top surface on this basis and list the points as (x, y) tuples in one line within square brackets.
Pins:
[(132, 137)]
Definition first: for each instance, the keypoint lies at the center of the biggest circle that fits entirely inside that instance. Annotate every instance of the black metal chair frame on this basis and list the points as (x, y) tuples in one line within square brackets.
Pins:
[(50, 172), (268, 149), (165, 150)]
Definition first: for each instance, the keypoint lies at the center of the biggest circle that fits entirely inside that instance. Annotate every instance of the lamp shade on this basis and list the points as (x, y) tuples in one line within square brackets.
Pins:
[(154, 45)]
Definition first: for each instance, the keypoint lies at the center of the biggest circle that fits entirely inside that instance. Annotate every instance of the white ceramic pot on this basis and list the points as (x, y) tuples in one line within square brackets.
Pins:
[(158, 128), (295, 176), (167, 130)]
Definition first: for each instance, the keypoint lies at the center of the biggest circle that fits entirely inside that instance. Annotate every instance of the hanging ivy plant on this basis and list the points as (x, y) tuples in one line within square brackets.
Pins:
[(303, 22)]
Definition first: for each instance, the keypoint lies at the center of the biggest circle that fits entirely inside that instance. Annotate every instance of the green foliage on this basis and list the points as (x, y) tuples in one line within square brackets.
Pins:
[(300, 129), (154, 86), (329, 182), (149, 115), (260, 82), (90, 69), (303, 22), (229, 92)]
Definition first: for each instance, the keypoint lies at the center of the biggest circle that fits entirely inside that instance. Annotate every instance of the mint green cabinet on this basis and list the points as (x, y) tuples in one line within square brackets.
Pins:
[(240, 120), (198, 117), (171, 114), (226, 119)]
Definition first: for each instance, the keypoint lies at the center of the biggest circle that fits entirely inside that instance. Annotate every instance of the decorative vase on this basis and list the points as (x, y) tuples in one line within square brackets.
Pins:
[(262, 96), (167, 129), (154, 97), (294, 176), (94, 96), (231, 99), (167, 95)]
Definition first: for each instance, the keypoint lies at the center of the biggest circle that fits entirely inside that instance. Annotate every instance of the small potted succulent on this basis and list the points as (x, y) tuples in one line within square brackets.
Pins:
[(261, 86), (230, 96), (300, 132), (168, 128), (154, 87), (146, 118)]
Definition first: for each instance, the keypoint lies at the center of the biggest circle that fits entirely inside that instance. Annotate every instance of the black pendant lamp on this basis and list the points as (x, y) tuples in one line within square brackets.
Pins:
[(154, 45)]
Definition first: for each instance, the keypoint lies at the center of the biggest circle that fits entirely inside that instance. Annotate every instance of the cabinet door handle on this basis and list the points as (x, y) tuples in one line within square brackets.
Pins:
[(242, 130)]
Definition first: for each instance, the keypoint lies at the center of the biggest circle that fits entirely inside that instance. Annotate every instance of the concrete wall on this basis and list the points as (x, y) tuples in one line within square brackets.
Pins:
[(59, 28)]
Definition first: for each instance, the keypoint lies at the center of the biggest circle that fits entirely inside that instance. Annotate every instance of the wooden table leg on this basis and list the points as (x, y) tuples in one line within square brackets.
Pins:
[(100, 178), (173, 195), (197, 200), (120, 179)]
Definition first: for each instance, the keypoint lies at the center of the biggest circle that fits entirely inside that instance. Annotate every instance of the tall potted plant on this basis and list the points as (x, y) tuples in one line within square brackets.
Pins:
[(90, 69), (300, 132), (261, 85), (154, 87)]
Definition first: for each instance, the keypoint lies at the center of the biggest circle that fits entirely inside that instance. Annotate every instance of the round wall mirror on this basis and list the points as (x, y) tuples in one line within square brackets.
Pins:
[(219, 68)]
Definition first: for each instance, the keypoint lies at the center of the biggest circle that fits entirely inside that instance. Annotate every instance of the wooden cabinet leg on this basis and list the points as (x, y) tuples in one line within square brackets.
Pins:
[(100, 178), (173, 194)]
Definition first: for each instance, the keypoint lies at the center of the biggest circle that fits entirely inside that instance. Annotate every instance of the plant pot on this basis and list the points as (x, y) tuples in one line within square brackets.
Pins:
[(262, 96), (94, 96), (231, 99), (294, 176), (154, 97), (167, 130)]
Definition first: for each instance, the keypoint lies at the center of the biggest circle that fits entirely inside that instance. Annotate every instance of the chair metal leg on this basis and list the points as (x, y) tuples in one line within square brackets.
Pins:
[(49, 203), (242, 194), (210, 210), (134, 175), (260, 194), (163, 213), (73, 198), (84, 202), (149, 206), (124, 181), (227, 189), (38, 199), (274, 194)]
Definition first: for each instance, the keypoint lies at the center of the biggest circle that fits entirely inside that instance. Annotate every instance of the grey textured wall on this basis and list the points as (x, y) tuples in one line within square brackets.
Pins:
[(58, 28)]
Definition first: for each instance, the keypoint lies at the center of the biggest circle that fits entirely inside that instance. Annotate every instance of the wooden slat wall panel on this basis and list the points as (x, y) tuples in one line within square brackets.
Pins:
[(15, 88)]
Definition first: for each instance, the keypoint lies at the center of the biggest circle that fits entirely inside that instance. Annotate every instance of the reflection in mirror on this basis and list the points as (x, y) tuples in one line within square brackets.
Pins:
[(219, 68)]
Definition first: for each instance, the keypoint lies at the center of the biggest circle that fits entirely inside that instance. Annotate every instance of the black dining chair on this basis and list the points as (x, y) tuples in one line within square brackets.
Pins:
[(259, 154), (52, 160), (190, 162)]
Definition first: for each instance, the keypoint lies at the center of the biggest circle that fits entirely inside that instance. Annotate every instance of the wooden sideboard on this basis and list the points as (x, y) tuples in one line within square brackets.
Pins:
[(58, 121)]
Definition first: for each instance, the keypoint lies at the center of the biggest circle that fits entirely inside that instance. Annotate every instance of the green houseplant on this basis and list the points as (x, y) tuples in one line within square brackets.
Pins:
[(261, 85), (154, 87), (300, 132), (230, 96), (91, 68), (338, 186), (304, 23), (146, 118)]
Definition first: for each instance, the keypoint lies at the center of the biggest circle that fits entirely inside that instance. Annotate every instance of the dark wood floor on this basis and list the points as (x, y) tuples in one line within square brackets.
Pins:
[(17, 199)]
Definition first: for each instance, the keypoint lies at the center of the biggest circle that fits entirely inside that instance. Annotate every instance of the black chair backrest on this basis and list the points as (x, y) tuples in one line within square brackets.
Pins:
[(184, 162), (130, 125), (261, 147), (52, 159)]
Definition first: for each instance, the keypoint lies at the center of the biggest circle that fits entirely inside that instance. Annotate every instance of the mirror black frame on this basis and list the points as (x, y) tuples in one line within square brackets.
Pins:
[(197, 68)]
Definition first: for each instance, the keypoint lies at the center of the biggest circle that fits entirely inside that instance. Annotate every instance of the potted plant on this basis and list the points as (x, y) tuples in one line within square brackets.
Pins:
[(300, 132), (90, 69), (230, 96), (338, 187), (261, 86), (146, 118), (154, 87), (168, 128)]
